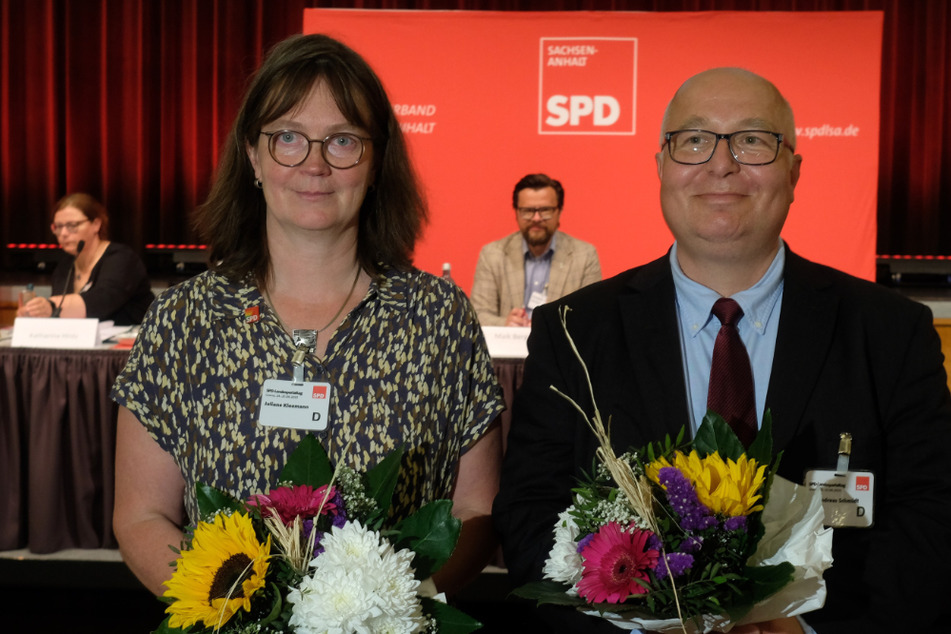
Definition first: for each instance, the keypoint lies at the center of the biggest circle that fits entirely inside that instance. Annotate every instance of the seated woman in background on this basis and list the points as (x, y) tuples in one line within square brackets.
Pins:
[(109, 281)]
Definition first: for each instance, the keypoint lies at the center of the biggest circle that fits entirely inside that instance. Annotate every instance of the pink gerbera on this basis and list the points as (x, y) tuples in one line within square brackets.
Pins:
[(613, 560), (290, 501)]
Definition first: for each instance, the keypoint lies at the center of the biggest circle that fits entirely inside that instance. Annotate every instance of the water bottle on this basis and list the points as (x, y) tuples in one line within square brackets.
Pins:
[(447, 271), (27, 294)]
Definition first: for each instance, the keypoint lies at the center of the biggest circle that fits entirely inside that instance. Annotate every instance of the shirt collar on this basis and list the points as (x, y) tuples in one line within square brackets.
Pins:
[(229, 299), (546, 255), (695, 300)]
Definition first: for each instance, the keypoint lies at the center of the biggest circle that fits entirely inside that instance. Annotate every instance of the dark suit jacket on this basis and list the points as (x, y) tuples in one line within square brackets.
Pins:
[(851, 356)]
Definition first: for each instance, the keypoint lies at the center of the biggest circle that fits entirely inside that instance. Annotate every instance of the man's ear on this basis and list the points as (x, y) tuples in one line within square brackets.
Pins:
[(794, 171)]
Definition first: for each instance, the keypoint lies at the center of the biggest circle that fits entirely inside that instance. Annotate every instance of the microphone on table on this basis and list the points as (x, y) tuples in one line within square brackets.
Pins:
[(69, 278)]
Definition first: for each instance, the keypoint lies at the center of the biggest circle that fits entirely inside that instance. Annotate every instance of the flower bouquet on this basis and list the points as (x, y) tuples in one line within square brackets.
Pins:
[(687, 536), (314, 555)]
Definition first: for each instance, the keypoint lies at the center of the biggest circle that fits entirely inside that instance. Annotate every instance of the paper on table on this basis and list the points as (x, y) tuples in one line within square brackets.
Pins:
[(506, 342)]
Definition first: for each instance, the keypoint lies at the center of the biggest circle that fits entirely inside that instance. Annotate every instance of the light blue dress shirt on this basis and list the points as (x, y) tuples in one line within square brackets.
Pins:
[(761, 305), (537, 272)]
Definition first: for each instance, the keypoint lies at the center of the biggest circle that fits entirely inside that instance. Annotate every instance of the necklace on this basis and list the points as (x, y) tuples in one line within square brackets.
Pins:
[(81, 274), (333, 320)]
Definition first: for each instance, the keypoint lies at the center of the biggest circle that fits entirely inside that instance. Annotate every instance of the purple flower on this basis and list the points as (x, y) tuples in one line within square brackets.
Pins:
[(679, 563), (584, 542), (694, 516), (308, 526), (735, 523), (691, 545), (339, 518), (315, 535), (318, 549)]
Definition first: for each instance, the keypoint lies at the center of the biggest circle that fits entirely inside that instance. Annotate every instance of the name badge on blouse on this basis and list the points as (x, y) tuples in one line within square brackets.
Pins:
[(294, 405)]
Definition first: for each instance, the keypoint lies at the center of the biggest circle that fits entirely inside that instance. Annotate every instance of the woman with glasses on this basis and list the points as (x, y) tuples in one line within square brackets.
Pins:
[(311, 225), (102, 279)]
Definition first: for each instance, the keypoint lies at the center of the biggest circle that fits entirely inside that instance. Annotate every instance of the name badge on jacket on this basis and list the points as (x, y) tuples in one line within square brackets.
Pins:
[(847, 497)]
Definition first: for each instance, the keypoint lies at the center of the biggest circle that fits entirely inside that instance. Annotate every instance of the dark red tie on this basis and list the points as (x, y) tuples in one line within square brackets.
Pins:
[(731, 379)]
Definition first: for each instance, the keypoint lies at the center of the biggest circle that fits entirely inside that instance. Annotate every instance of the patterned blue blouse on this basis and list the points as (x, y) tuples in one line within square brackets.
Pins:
[(407, 366)]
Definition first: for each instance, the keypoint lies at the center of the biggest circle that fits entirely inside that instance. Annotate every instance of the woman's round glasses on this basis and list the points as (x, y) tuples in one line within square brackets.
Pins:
[(290, 148)]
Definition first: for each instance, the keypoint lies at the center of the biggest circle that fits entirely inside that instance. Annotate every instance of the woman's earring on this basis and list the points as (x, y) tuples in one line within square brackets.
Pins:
[(258, 183)]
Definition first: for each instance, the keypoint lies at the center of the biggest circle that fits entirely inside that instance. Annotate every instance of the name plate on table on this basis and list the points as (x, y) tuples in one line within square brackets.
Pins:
[(507, 342), (47, 332)]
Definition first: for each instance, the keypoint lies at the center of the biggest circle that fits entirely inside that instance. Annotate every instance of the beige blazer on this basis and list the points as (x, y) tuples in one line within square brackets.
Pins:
[(499, 284)]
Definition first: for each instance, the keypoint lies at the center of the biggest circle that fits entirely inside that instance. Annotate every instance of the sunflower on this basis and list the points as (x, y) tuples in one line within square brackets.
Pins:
[(225, 566), (728, 488)]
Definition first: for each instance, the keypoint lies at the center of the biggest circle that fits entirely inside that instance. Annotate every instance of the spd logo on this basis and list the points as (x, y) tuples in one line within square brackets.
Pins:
[(587, 85), (862, 483), (320, 391)]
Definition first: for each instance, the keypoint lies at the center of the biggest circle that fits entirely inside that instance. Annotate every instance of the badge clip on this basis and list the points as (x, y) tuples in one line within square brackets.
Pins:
[(848, 499), (306, 342), (845, 452)]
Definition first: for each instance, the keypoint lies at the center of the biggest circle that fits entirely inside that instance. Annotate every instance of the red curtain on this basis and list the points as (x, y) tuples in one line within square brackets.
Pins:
[(130, 101)]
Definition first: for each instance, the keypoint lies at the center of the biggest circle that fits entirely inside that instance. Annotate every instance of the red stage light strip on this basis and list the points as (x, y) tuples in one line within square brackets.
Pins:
[(175, 247), (914, 257)]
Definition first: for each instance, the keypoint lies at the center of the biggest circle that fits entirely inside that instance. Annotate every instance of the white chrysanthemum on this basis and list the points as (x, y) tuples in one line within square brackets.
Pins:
[(351, 545), (392, 624), (398, 585), (333, 601), (564, 564), (359, 584)]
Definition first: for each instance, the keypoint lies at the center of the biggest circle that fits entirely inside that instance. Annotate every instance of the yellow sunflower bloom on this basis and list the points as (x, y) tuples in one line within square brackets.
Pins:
[(728, 488), (217, 576)]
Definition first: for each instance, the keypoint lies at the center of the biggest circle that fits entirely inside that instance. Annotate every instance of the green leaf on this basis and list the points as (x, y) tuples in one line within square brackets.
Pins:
[(761, 449), (451, 620), (277, 605), (308, 464), (715, 436), (381, 479), (760, 582), (211, 500), (547, 592), (431, 533), (768, 580), (680, 437)]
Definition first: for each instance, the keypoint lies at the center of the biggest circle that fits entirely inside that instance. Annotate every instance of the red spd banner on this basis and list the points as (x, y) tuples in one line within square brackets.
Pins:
[(486, 97), (587, 86)]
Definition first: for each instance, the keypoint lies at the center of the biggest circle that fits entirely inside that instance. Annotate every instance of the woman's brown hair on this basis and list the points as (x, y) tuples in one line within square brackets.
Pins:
[(91, 208), (232, 219)]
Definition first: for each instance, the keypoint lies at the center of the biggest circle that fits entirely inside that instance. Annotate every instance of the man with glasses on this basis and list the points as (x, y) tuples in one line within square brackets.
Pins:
[(829, 355), (534, 265)]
